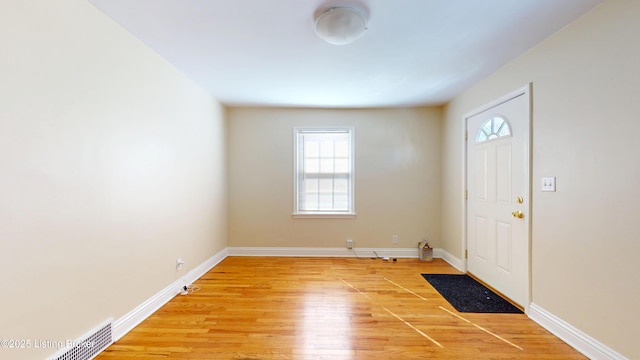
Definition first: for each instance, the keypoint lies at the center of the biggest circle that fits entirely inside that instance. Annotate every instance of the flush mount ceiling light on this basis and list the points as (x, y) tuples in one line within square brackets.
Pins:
[(340, 25)]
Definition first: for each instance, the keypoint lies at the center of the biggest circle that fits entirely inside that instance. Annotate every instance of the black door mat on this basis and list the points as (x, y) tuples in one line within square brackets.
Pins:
[(468, 295)]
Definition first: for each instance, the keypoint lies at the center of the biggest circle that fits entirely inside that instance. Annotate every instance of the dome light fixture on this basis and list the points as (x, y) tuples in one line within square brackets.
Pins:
[(340, 25)]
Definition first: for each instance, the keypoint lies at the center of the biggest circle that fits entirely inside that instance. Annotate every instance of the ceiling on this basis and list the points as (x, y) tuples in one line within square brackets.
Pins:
[(266, 52)]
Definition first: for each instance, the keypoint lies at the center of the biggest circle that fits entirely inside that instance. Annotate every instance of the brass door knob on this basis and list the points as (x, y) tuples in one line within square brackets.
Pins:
[(517, 214)]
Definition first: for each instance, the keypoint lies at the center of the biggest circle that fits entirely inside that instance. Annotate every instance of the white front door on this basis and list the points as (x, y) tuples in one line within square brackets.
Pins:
[(498, 196)]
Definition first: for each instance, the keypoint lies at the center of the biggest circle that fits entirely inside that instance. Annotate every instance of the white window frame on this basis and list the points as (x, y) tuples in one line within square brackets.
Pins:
[(298, 173)]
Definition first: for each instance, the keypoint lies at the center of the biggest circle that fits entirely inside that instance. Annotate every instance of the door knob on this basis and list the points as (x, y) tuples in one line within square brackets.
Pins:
[(517, 214)]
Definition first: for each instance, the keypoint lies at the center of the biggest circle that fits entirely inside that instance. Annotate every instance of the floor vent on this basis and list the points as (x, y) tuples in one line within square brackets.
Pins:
[(88, 346)]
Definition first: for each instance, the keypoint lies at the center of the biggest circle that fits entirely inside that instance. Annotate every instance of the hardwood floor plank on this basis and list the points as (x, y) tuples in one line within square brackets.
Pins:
[(329, 308)]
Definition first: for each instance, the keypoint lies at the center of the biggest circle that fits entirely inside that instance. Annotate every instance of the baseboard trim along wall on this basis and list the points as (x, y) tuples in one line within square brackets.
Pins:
[(410, 253), (134, 317), (327, 252), (449, 258), (580, 341)]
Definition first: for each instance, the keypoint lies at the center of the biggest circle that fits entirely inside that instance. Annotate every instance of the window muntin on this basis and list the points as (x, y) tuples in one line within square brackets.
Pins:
[(324, 171), (493, 128)]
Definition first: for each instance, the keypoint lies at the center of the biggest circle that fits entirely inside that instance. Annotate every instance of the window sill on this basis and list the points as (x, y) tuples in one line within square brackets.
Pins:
[(323, 215)]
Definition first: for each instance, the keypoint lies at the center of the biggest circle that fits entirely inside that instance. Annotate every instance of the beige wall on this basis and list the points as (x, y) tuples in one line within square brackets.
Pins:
[(585, 123), (397, 178), (112, 166)]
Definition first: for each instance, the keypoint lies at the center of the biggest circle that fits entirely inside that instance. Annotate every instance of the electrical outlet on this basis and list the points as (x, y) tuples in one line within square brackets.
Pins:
[(349, 244), (395, 239)]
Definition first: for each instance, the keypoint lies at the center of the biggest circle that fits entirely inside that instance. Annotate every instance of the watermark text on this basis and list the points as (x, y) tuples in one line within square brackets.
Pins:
[(43, 344)]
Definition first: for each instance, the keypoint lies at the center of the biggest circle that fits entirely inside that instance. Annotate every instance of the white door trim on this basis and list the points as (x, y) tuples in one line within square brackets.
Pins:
[(523, 91)]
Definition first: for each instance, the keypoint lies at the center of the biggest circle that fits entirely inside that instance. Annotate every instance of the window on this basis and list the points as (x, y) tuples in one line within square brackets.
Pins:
[(324, 172), (493, 128)]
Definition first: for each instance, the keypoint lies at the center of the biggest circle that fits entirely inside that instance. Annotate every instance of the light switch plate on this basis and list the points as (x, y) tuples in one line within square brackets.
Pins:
[(549, 184)]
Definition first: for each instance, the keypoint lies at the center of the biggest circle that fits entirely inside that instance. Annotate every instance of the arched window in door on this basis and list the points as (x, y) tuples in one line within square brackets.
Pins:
[(493, 128)]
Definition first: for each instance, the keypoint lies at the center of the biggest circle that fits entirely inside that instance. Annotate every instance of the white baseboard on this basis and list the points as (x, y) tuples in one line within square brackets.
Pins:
[(134, 317), (324, 252), (577, 339), (449, 258)]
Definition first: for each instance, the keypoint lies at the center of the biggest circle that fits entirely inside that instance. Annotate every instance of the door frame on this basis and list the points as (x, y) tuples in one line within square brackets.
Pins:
[(525, 91)]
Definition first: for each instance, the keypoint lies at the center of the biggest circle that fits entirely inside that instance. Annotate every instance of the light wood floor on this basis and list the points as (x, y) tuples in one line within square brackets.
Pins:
[(320, 308)]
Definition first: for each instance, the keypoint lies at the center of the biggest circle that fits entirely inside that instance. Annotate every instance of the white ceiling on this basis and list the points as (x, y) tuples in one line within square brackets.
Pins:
[(266, 52)]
